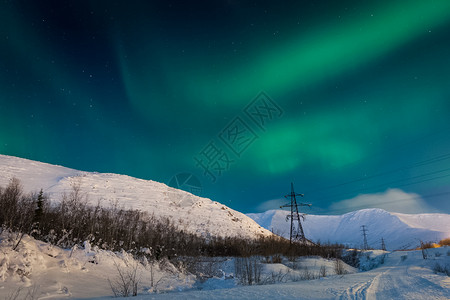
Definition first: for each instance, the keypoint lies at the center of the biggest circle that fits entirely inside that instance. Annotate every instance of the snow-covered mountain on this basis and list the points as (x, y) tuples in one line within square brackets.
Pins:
[(190, 212), (399, 231)]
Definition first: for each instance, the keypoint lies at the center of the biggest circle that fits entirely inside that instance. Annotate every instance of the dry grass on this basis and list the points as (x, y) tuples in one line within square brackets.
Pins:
[(445, 242)]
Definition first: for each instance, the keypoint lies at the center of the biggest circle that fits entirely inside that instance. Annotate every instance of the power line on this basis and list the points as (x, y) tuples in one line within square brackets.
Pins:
[(418, 164), (399, 147), (356, 207), (391, 182)]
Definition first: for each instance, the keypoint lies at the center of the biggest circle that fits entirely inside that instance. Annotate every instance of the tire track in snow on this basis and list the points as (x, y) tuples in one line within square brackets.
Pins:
[(396, 283), (358, 291)]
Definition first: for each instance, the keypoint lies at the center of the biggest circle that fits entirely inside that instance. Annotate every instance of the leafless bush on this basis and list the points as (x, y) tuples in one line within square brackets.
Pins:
[(352, 258), (296, 265), (150, 266), (438, 268), (323, 271), (127, 280), (307, 274), (201, 267), (71, 221), (274, 259), (339, 268), (248, 270), (274, 277)]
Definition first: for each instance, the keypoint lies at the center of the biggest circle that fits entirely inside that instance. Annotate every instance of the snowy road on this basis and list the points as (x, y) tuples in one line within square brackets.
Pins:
[(403, 282), (383, 283), (403, 276)]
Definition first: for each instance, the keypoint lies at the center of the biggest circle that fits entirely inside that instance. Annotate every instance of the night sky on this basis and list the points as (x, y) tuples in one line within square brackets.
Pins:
[(343, 98)]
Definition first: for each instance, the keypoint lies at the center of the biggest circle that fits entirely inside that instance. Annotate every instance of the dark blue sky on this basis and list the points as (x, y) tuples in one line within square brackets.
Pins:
[(342, 98)]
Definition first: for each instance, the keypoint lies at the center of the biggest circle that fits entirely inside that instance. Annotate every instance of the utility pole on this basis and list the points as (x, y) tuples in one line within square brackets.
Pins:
[(383, 245), (364, 230), (296, 232)]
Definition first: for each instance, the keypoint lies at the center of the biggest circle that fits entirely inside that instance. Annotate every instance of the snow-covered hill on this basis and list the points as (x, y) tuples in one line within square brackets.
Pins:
[(399, 231), (190, 212)]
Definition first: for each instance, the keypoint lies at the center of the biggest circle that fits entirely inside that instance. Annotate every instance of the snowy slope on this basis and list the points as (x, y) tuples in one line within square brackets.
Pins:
[(190, 212), (399, 231), (404, 275), (49, 272)]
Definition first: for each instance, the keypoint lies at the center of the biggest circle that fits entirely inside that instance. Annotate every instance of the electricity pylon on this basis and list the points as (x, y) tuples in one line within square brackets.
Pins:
[(364, 230), (296, 233)]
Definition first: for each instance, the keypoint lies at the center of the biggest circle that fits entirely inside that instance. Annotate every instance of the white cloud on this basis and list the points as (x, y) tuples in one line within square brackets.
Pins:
[(392, 200)]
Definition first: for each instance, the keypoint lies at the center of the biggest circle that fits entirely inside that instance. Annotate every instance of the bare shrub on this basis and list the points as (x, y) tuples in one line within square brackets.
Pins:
[(150, 266), (202, 267), (339, 267), (127, 280), (248, 270), (276, 259), (352, 258), (323, 271), (307, 274), (276, 277), (438, 268)]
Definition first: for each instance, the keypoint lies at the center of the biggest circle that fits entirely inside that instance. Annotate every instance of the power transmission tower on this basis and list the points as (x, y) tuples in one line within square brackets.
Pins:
[(364, 230), (383, 245), (296, 233)]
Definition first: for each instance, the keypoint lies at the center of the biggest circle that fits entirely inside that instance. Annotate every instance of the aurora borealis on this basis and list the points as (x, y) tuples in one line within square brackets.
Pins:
[(142, 87)]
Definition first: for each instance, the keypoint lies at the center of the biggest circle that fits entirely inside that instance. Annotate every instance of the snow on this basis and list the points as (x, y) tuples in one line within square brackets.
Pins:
[(52, 272), (399, 231), (192, 213), (397, 278), (44, 271), (436, 222), (48, 272)]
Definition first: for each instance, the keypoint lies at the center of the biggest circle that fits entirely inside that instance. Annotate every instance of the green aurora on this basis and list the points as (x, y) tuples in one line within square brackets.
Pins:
[(140, 88)]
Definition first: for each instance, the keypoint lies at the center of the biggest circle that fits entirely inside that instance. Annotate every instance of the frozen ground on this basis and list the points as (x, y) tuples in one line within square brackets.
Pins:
[(45, 272), (404, 275), (48, 272)]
